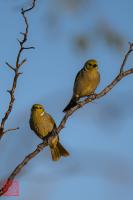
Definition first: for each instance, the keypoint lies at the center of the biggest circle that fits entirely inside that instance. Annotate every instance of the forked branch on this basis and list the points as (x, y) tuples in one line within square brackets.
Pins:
[(123, 73), (16, 68)]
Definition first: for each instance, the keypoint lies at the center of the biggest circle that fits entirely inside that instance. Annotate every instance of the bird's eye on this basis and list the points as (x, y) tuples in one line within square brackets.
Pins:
[(90, 64), (95, 65), (40, 107)]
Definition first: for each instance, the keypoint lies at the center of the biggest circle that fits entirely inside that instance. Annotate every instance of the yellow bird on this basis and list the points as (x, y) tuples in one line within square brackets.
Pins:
[(85, 84), (43, 124)]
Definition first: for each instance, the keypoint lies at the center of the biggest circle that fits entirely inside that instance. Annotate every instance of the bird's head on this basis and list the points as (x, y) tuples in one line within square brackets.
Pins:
[(91, 64), (37, 108)]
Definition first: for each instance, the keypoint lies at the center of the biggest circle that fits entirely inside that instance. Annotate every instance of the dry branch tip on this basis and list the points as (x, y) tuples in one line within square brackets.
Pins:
[(11, 129)]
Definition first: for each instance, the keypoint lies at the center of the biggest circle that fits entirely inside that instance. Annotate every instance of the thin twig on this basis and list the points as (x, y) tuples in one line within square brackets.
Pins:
[(17, 68), (22, 62), (10, 66), (126, 56), (41, 146), (11, 129), (28, 48)]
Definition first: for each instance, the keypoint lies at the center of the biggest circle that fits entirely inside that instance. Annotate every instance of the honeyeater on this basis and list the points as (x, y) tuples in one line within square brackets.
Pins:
[(85, 84), (43, 124)]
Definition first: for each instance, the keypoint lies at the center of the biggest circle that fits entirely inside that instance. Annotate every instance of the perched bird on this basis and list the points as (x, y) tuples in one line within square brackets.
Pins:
[(43, 125), (85, 84)]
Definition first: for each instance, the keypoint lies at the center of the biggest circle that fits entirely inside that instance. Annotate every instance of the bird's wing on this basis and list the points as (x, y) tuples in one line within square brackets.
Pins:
[(77, 77), (48, 122), (51, 120)]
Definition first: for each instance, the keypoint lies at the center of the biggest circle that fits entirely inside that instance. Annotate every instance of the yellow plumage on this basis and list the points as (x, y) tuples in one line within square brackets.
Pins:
[(43, 124), (85, 83)]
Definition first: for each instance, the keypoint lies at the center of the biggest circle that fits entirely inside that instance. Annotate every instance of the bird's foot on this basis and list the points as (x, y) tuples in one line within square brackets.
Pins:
[(91, 95)]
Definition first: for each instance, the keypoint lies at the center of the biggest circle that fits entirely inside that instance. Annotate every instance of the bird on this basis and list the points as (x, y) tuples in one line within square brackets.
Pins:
[(85, 83), (43, 125)]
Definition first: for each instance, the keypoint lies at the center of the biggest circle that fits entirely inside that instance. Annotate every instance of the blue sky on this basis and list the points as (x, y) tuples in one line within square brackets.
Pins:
[(98, 136)]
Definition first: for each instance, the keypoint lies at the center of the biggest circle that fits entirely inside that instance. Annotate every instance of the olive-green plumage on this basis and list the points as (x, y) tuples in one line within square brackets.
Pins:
[(43, 124), (85, 83)]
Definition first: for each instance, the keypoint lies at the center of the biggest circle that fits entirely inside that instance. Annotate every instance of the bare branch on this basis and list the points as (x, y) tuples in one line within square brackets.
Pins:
[(10, 66), (28, 47), (11, 129), (20, 167), (89, 99), (94, 97), (16, 69), (33, 5), (126, 56)]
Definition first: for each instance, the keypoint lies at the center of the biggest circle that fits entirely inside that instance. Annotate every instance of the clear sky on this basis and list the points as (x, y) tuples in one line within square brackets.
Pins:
[(99, 136)]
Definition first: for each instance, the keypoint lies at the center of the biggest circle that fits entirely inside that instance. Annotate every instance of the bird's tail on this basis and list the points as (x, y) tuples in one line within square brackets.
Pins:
[(72, 103), (58, 151), (62, 150), (55, 153)]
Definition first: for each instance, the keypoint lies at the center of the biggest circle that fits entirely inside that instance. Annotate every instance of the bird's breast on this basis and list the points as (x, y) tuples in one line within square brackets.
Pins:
[(40, 125), (86, 83)]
